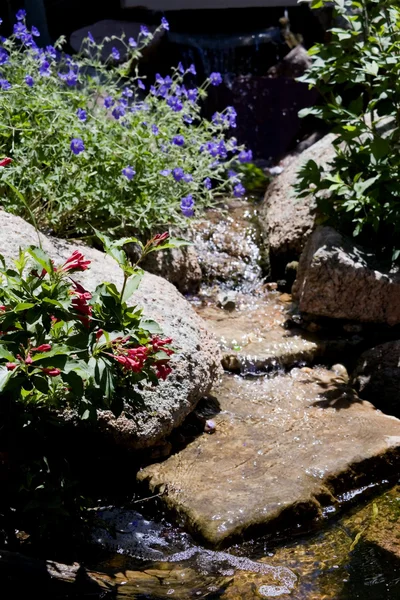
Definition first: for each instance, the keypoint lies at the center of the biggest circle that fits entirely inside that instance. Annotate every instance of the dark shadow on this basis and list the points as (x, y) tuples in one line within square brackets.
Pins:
[(336, 394), (373, 574)]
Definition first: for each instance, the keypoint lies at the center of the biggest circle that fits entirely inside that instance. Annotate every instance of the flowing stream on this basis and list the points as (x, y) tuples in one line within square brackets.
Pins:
[(353, 556)]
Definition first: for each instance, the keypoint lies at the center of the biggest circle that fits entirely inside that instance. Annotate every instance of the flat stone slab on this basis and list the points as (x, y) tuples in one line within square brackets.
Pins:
[(253, 337), (286, 451)]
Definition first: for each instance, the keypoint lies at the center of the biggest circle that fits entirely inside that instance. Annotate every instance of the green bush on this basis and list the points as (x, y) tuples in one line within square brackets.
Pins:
[(92, 145), (62, 347), (358, 76)]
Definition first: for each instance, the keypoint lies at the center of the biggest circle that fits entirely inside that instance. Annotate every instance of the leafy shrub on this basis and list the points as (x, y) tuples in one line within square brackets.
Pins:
[(357, 75), (62, 347), (92, 146)]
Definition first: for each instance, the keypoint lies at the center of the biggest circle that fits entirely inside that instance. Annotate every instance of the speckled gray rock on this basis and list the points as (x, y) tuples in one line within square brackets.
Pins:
[(377, 377), (179, 266), (286, 221), (195, 366), (340, 280)]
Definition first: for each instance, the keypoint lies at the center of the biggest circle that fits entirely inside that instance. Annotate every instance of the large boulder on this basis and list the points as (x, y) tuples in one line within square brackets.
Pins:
[(195, 365), (287, 221), (340, 280), (377, 377)]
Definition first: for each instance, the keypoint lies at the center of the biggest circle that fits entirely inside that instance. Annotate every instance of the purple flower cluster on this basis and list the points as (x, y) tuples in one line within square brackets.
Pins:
[(81, 114), (239, 190), (4, 84), (245, 156), (215, 79), (71, 77), (4, 57), (178, 140), (29, 80)]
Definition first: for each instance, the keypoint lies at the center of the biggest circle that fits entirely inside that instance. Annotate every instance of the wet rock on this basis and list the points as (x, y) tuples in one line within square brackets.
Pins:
[(227, 300), (286, 221), (293, 65), (377, 377), (210, 426), (253, 338), (195, 366), (179, 266), (286, 448), (340, 280)]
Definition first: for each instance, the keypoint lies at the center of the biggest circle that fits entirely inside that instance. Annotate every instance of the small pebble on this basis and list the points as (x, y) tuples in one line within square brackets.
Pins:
[(210, 426)]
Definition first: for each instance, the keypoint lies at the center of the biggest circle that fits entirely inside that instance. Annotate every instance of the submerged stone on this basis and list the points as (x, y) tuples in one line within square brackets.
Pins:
[(286, 451)]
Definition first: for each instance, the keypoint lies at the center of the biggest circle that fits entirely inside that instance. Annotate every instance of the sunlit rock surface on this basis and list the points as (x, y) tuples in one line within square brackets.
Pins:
[(286, 450)]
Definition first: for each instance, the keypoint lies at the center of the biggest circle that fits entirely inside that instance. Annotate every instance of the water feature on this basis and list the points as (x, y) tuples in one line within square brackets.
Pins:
[(150, 554)]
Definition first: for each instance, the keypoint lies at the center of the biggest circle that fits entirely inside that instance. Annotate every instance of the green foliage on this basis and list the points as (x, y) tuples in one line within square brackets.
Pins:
[(255, 179), (110, 166), (63, 348), (357, 75)]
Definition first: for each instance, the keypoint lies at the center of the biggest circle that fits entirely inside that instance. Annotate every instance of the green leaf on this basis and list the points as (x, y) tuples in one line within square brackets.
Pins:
[(5, 376), (131, 286), (6, 354), (41, 258), (150, 326), (23, 306)]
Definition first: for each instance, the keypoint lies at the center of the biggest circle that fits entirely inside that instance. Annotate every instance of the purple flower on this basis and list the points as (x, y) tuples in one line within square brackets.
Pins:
[(51, 51), (70, 78), (155, 129), (187, 206), (115, 53), (178, 173), (187, 178), (245, 157), (21, 14), (118, 112), (45, 69), (222, 149), (231, 116), (207, 183), (178, 140), (165, 172), (181, 68), (174, 103), (144, 31), (141, 84), (192, 69), (1, 20), (129, 172), (35, 31), (238, 190), (77, 146), (192, 95), (187, 119), (127, 93), (132, 42), (29, 80), (82, 114), (20, 31), (108, 102), (212, 148), (165, 24), (4, 58), (153, 90), (4, 84), (233, 175), (218, 119), (90, 37), (215, 79)]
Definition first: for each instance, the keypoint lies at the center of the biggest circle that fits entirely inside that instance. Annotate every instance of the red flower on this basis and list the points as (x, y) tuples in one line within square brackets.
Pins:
[(75, 263), (42, 348), (159, 238), (128, 363), (28, 360), (80, 302), (99, 333), (51, 371), (3, 308), (5, 162), (11, 366), (163, 370)]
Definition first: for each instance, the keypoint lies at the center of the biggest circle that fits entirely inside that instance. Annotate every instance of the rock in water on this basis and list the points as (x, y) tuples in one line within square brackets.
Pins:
[(287, 221), (377, 377), (340, 280), (195, 365), (284, 450)]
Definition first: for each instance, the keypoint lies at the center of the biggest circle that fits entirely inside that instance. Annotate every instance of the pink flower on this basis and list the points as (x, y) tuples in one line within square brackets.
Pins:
[(51, 371), (76, 262), (159, 238), (162, 370), (80, 302), (5, 162), (3, 308), (28, 360), (11, 366), (99, 333), (42, 348)]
